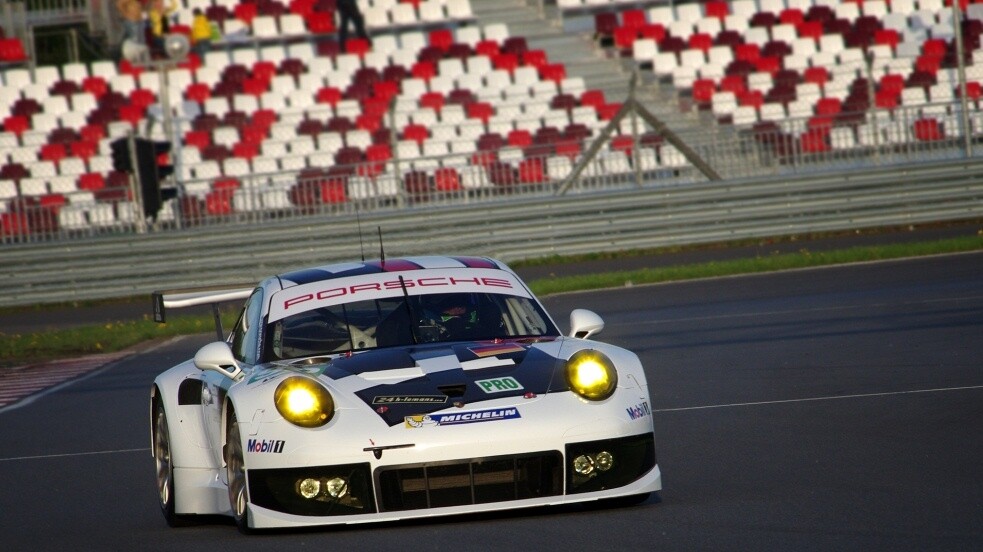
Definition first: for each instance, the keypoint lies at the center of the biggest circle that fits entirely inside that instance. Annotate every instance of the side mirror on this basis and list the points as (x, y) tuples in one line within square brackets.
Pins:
[(585, 323), (218, 357)]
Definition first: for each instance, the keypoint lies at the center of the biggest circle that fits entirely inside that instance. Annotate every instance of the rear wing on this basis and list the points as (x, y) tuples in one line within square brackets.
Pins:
[(213, 295)]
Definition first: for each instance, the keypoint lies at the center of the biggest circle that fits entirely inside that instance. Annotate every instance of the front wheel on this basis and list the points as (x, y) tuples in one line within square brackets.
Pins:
[(236, 471), (165, 469)]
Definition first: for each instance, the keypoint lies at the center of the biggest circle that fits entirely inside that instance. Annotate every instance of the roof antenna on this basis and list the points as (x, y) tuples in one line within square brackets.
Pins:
[(382, 251), (358, 223)]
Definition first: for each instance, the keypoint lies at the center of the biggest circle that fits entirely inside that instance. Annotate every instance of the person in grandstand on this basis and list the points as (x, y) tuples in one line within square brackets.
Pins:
[(158, 15), (134, 25), (202, 32), (348, 12)]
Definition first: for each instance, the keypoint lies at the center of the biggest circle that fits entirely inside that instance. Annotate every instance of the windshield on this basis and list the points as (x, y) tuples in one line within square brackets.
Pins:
[(401, 321)]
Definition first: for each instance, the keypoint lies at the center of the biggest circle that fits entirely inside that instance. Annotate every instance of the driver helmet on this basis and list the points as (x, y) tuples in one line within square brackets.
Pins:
[(456, 312)]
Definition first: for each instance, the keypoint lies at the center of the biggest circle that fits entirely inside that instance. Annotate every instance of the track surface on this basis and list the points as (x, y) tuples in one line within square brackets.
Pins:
[(831, 409)]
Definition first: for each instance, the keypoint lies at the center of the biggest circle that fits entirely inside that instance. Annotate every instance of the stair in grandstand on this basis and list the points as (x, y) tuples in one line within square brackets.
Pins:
[(600, 68)]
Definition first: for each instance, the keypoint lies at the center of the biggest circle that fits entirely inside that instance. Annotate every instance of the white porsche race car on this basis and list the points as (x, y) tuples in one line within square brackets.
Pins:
[(395, 389)]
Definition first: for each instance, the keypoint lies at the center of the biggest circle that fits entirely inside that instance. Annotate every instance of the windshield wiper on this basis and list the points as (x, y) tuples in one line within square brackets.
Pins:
[(348, 327), (409, 309)]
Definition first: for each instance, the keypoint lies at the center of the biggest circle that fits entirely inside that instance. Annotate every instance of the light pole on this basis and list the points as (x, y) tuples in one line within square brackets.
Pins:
[(176, 47)]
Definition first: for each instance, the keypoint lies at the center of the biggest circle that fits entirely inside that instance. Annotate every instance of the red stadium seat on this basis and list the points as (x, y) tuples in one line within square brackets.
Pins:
[(751, 98), (441, 38), (91, 182), (446, 180), (700, 41), (321, 23), (655, 31), (928, 130), (219, 202), (328, 95), (814, 140), (703, 90), (433, 100), (555, 72), (791, 16), (633, 19), (480, 110), (532, 171), (53, 152), (245, 12), (12, 51), (417, 133), (84, 149), (623, 143), (733, 83), (519, 138), (828, 106), (716, 8)]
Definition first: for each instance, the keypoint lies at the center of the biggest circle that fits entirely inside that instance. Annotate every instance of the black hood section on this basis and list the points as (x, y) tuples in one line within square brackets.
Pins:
[(531, 368)]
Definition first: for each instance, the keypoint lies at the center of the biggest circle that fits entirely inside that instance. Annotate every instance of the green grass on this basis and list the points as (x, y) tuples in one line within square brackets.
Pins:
[(28, 348), (801, 259), (19, 349)]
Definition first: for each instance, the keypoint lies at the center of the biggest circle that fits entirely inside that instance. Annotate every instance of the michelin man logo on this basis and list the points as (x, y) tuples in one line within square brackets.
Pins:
[(419, 421)]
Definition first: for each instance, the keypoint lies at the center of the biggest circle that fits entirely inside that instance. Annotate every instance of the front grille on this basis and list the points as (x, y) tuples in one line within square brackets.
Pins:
[(472, 481)]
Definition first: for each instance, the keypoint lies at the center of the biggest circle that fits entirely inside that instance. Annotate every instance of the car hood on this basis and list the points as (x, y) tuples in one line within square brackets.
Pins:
[(408, 381)]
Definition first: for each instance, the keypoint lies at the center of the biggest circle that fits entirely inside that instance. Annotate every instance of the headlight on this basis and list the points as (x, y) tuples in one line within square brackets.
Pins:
[(303, 402), (591, 375)]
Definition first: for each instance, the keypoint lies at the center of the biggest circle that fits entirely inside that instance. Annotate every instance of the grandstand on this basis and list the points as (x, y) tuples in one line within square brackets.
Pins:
[(472, 100)]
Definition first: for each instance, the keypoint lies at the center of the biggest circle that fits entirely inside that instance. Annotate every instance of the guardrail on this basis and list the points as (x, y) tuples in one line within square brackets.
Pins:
[(510, 228)]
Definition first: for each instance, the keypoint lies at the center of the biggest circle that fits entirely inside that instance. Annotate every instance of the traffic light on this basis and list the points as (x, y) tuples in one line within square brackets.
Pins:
[(150, 172), (121, 155)]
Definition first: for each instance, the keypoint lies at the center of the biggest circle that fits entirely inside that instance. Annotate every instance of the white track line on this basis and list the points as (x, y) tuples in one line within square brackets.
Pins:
[(686, 408), (73, 454), (811, 399)]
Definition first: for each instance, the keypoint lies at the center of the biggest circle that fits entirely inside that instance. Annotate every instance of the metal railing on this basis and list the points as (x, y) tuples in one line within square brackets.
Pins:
[(509, 227), (643, 160)]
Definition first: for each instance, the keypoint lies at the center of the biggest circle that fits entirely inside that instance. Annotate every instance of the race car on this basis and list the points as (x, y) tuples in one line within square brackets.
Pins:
[(396, 389)]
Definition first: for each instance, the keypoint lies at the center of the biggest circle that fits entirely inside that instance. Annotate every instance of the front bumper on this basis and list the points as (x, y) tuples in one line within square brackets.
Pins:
[(454, 486)]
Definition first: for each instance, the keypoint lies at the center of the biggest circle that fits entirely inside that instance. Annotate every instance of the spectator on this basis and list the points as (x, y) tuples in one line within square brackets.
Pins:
[(201, 32), (158, 22), (348, 12), (134, 26)]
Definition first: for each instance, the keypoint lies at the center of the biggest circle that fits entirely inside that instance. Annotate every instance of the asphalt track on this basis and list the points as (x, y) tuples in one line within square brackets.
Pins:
[(828, 409)]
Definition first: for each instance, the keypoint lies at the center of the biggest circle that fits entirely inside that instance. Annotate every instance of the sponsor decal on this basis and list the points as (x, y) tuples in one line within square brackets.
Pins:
[(255, 445), (382, 285), (355, 292), (471, 417), (491, 350), (640, 410), (410, 399), (498, 385)]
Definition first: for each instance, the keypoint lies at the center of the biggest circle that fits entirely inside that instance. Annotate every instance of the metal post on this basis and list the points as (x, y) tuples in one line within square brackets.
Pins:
[(393, 143), (872, 110), (961, 68), (136, 186), (170, 130), (635, 154)]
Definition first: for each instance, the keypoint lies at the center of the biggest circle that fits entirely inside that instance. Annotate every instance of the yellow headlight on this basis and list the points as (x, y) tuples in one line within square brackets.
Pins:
[(591, 375), (303, 402)]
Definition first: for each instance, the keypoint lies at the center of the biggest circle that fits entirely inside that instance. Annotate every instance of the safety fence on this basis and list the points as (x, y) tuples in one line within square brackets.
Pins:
[(297, 184), (508, 227)]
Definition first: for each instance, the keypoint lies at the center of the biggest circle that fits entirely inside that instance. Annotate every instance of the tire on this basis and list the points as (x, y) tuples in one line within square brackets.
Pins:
[(165, 470), (236, 470)]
